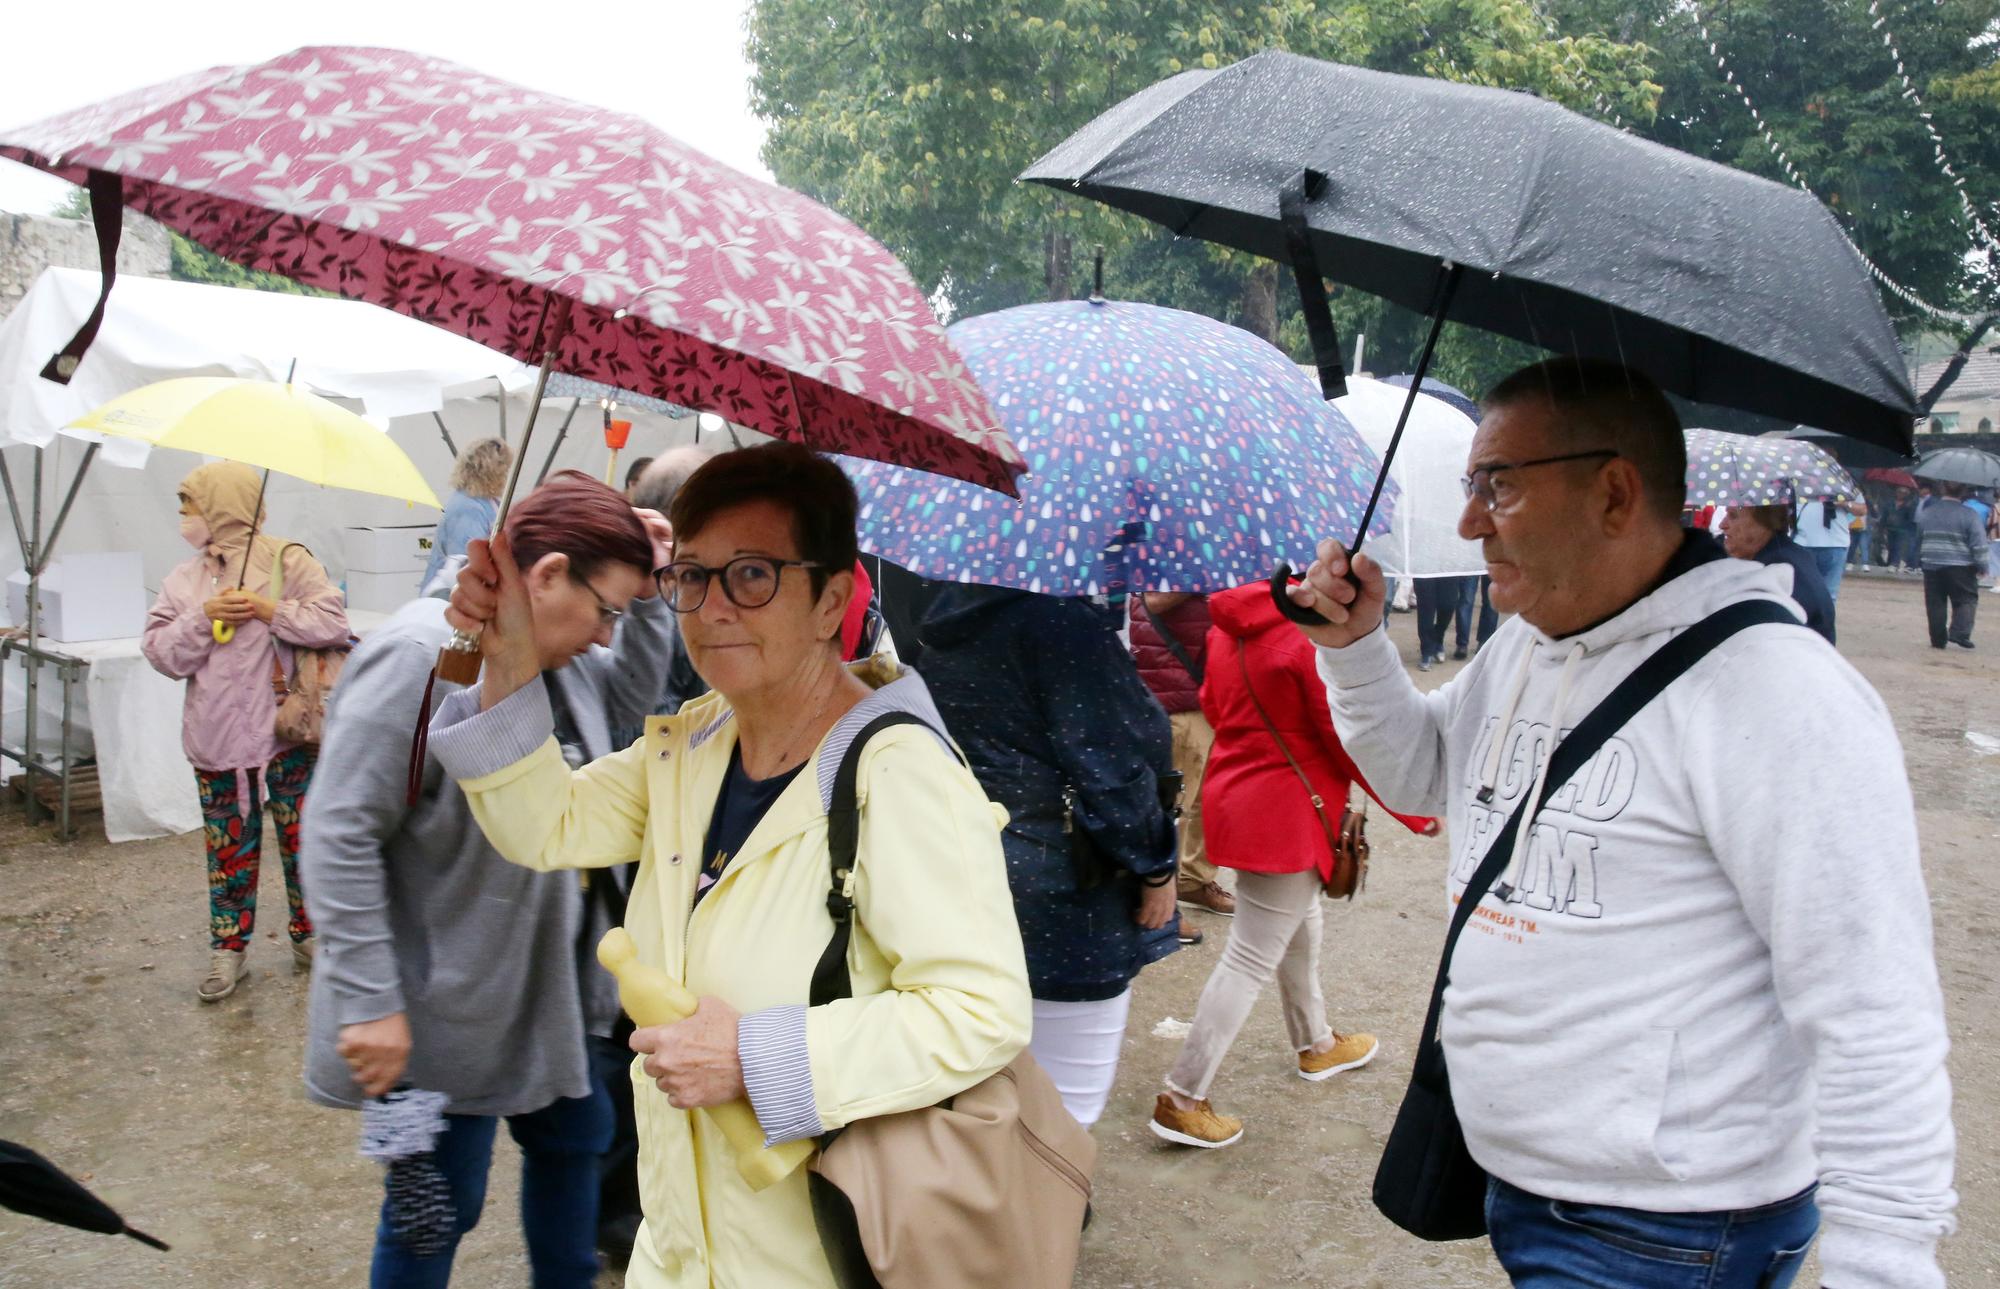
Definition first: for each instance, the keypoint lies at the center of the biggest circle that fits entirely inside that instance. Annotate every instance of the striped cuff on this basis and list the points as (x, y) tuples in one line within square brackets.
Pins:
[(471, 744), (777, 1072)]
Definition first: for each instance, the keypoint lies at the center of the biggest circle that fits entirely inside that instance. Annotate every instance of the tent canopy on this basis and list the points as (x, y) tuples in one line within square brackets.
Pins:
[(383, 363), (403, 373)]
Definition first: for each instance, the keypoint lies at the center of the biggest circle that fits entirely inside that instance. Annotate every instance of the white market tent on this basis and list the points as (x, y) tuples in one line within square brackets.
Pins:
[(420, 382), (401, 372)]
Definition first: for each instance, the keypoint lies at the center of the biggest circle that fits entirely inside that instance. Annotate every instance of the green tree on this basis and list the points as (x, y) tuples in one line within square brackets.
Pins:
[(912, 117), (1828, 89), (189, 261), (193, 262)]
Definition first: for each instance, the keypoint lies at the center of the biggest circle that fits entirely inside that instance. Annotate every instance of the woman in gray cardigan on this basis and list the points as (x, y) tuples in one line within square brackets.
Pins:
[(443, 967)]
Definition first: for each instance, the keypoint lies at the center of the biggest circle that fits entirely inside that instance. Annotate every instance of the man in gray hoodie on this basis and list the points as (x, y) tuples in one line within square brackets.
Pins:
[(1703, 1018)]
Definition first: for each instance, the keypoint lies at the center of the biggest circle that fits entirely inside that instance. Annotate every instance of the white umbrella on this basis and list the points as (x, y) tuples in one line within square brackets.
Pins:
[(1423, 539)]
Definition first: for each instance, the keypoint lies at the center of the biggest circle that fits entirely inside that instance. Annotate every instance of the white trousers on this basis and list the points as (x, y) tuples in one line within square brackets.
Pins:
[(1078, 1044)]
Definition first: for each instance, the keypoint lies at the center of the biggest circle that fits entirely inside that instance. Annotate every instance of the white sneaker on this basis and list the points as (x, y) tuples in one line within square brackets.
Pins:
[(226, 970)]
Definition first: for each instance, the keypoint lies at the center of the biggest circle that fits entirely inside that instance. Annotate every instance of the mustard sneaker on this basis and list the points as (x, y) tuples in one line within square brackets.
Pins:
[(1349, 1052), (1201, 1126)]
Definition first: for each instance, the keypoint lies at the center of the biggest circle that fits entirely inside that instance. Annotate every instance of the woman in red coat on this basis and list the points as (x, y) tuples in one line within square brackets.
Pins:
[(1261, 822)]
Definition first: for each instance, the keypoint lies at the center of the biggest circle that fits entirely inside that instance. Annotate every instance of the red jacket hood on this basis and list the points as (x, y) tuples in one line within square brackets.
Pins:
[(1244, 611)]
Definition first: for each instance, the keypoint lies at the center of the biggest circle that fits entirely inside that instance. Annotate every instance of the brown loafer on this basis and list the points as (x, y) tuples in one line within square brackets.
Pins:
[(1209, 896)]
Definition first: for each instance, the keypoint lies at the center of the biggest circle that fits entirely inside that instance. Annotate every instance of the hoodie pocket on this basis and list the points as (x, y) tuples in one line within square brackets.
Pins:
[(1641, 1122), (1673, 1144)]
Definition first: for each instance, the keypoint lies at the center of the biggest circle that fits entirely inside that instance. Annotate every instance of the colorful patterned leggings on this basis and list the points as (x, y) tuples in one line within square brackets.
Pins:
[(235, 842)]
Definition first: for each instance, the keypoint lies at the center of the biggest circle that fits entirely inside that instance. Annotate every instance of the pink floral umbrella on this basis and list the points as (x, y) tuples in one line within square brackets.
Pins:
[(537, 225)]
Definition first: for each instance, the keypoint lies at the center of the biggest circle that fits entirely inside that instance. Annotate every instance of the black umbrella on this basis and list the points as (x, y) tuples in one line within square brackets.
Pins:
[(1960, 465), (1851, 452), (1511, 214), (31, 1184)]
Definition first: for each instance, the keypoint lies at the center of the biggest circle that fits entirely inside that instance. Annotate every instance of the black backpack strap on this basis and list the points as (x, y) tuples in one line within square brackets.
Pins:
[(1665, 665), (1173, 644), (830, 979)]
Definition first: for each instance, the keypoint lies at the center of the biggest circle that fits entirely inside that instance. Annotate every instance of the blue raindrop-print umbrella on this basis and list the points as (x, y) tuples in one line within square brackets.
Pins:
[(1166, 452)]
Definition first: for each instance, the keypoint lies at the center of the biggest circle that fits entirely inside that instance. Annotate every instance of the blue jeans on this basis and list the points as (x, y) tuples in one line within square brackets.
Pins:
[(560, 1145), (1832, 561), (1554, 1244), (1444, 602), (1489, 617)]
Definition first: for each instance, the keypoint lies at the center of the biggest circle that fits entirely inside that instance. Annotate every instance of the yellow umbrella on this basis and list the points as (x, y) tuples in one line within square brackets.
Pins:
[(262, 423)]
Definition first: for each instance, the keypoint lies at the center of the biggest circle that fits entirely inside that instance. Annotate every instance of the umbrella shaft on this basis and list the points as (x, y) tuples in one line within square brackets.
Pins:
[(256, 517), (558, 325), (1440, 305)]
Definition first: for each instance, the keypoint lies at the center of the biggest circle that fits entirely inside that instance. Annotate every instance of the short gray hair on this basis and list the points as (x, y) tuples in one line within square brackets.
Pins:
[(663, 478)]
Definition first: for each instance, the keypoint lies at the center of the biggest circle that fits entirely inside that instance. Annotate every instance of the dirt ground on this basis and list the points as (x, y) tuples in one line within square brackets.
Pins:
[(190, 1120)]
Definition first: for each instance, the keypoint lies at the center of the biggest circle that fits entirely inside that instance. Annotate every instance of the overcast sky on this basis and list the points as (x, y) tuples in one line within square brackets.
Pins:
[(678, 63)]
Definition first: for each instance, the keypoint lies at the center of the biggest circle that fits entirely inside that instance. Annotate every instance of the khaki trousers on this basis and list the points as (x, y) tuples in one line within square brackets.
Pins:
[(1193, 737), (1276, 933)]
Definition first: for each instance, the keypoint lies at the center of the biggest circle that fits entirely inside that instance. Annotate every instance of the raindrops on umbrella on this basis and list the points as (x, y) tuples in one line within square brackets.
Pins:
[(1177, 452)]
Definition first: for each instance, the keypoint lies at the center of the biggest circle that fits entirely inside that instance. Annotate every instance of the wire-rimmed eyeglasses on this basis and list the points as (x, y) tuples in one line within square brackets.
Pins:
[(1479, 484)]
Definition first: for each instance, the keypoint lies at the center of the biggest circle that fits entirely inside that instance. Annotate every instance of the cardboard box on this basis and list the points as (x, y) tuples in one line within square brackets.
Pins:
[(403, 548), (84, 597), (381, 592)]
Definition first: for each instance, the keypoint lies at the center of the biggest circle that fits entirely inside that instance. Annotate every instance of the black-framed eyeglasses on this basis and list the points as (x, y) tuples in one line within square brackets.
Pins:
[(749, 581), (606, 615), (1479, 484)]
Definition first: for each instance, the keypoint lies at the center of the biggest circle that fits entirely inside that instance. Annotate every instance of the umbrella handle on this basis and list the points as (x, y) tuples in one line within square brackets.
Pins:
[(223, 632), (1281, 577)]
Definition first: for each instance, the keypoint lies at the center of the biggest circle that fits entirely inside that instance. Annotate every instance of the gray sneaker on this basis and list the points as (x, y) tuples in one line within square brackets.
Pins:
[(302, 952), (225, 971)]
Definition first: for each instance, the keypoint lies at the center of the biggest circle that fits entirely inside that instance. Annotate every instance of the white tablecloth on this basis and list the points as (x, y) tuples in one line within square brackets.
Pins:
[(134, 715)]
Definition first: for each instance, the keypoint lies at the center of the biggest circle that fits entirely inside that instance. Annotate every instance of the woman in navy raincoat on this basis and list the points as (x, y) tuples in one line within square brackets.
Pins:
[(1048, 707)]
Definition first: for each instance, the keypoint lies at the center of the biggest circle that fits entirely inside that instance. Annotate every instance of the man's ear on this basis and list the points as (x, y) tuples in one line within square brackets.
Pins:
[(1625, 500)]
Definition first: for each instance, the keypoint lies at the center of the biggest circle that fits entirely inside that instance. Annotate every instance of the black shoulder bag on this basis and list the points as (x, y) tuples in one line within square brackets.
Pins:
[(1427, 1182)]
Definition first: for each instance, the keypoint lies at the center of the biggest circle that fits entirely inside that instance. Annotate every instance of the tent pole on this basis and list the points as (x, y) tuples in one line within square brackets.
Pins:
[(562, 433), (69, 499), (452, 447), (14, 508), (500, 406), (32, 662)]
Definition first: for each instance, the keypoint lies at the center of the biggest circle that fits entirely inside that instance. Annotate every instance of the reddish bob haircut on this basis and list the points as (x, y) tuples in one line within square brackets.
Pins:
[(573, 514)]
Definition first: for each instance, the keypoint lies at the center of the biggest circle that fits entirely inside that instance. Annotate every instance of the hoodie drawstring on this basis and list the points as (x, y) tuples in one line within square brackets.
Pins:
[(1510, 880), (1489, 774)]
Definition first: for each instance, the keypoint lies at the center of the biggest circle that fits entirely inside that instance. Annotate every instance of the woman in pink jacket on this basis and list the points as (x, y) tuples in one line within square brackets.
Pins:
[(239, 761)]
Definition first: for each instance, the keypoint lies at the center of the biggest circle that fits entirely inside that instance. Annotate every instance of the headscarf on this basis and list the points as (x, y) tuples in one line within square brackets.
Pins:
[(225, 492)]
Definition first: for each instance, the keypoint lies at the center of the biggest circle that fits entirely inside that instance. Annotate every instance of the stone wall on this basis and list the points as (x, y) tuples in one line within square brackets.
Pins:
[(31, 243)]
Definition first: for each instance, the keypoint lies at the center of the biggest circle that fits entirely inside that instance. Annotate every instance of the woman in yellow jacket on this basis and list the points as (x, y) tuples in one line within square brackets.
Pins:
[(724, 808)]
